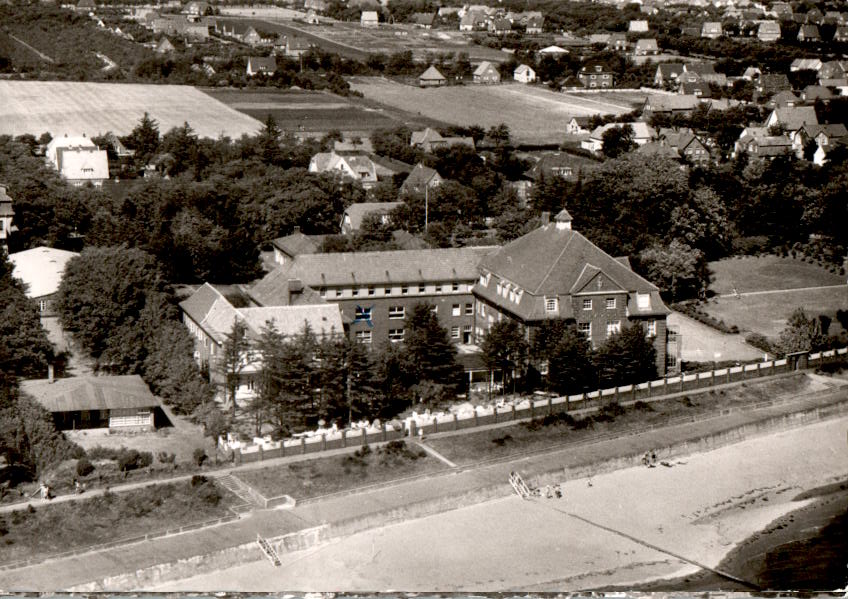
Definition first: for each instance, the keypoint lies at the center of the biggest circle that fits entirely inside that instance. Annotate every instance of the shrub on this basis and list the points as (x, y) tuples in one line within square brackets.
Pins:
[(104, 453), (501, 441), (84, 467), (132, 459), (587, 422), (643, 406), (759, 341), (166, 458), (206, 492), (199, 456), (198, 479)]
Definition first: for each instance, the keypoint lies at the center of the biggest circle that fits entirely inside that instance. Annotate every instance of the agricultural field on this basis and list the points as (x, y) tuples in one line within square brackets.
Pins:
[(533, 114), (611, 100), (308, 112), (767, 273), (73, 108)]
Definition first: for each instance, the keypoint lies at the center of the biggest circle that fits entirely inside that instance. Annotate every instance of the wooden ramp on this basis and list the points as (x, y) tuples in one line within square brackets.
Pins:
[(519, 485), (269, 551)]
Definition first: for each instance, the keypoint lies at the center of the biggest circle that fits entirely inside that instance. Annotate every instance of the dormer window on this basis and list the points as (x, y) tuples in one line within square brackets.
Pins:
[(643, 301), (551, 304)]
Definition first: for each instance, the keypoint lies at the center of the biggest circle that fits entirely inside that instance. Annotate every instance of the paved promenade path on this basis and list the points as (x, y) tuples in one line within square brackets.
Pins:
[(68, 572)]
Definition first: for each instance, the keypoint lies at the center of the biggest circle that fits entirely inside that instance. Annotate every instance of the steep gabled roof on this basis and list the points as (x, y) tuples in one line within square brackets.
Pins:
[(794, 117), (420, 176), (432, 74), (357, 212)]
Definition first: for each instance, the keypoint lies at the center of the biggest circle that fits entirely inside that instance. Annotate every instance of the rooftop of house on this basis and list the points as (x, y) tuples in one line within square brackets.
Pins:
[(41, 269), (640, 130), (297, 243), (670, 68), (372, 268), (794, 117), (571, 266), (91, 393), (432, 74), (356, 213), (420, 176), (83, 163)]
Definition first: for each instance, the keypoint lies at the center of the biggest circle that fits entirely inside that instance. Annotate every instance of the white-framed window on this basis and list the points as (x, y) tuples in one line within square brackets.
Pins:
[(363, 313), (469, 309), (404, 290), (455, 310), (422, 288), (585, 328), (500, 288), (42, 305), (610, 303), (587, 304), (643, 301), (395, 335), (396, 312), (363, 337), (454, 332), (613, 328), (354, 292), (387, 291), (651, 328), (372, 291), (551, 304)]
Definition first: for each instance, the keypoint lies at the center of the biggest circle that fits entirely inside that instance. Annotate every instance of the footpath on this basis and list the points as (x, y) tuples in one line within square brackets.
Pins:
[(142, 565)]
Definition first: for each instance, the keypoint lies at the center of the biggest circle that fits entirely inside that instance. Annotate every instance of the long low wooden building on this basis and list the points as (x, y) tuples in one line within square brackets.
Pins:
[(118, 402)]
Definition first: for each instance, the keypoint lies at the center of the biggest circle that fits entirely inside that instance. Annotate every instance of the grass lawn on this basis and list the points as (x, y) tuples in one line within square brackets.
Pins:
[(501, 442), (766, 273), (313, 478), (767, 313), (77, 524)]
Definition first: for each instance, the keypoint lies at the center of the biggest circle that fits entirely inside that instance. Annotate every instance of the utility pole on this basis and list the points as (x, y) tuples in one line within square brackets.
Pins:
[(426, 206)]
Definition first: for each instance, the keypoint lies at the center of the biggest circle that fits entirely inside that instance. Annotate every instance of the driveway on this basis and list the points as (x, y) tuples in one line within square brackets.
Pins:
[(701, 343)]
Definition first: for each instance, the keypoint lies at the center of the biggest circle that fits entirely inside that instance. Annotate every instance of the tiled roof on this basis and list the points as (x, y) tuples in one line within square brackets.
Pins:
[(668, 103), (323, 319), (91, 393), (295, 244), (357, 212), (371, 268), (421, 175), (428, 135), (432, 73), (793, 118), (670, 68)]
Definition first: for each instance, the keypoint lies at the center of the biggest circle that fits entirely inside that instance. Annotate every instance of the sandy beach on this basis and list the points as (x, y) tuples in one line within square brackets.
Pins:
[(622, 528)]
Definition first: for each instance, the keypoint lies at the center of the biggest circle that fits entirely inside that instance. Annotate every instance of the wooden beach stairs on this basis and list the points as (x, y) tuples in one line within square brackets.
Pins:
[(268, 550), (519, 485)]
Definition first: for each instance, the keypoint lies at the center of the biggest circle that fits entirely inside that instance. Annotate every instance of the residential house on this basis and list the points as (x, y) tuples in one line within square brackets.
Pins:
[(41, 269), (841, 34), (472, 21), (119, 403), (429, 140), (699, 89), (369, 18), (781, 10), (822, 135), (667, 74), (432, 78), (388, 168), (196, 9), (487, 73), (355, 214), (686, 144), (833, 69), (377, 290), (164, 46), (806, 64), (758, 142), (560, 164), (768, 31), (618, 42), (599, 39), (702, 71), (82, 165), (596, 75), (554, 273), (261, 65), (210, 316), (421, 179), (785, 99), (792, 119), (646, 47), (500, 26), (424, 20), (814, 15), (751, 74), (712, 30), (773, 83), (809, 33), (524, 74), (821, 155), (811, 93), (534, 25), (578, 125), (642, 134), (288, 247), (356, 166), (640, 26), (7, 213), (669, 104)]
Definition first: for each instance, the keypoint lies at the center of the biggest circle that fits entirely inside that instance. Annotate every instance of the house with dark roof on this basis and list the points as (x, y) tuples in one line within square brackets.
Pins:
[(772, 83), (560, 164), (555, 273), (596, 75), (578, 125), (288, 247), (85, 402), (646, 47), (486, 73), (698, 89), (376, 290), (209, 316), (670, 104), (811, 93), (420, 180), (356, 166), (424, 20), (784, 99), (264, 65), (809, 33), (429, 140), (686, 144), (792, 119), (841, 34), (667, 74), (356, 213)]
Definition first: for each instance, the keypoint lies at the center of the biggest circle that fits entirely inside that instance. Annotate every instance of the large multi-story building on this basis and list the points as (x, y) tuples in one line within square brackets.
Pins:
[(376, 290), (555, 273)]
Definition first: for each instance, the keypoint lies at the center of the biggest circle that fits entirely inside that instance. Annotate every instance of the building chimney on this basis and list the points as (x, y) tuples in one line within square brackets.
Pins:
[(546, 218), (50, 373), (296, 229)]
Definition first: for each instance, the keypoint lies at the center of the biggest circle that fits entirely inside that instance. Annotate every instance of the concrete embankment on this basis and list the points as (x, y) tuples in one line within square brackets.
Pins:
[(459, 489)]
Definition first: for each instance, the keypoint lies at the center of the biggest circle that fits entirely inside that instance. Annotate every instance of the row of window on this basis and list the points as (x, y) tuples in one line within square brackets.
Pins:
[(614, 328), (610, 303), (373, 291), (399, 312)]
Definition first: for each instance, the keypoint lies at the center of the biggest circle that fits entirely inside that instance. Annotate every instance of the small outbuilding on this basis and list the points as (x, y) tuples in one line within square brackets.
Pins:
[(432, 78), (524, 74), (487, 73)]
